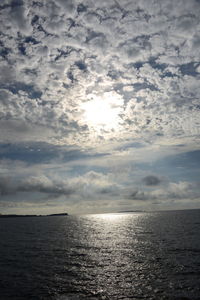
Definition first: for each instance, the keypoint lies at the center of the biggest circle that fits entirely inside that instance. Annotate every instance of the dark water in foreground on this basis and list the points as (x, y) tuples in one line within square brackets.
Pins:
[(124, 256)]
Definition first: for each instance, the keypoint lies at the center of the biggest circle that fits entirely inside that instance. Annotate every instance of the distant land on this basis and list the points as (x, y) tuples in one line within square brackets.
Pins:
[(130, 211), (61, 214), (27, 216)]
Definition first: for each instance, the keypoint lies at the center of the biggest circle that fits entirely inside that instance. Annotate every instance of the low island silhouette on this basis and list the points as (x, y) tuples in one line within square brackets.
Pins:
[(130, 211), (27, 216)]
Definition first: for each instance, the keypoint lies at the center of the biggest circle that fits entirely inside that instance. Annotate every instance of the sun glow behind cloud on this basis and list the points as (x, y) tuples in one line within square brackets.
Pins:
[(103, 112)]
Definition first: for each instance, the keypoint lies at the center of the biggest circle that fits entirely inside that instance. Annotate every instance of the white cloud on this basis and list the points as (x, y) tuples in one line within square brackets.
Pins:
[(59, 37)]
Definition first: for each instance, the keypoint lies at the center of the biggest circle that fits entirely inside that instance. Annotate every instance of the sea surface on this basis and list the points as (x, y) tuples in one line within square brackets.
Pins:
[(109, 256)]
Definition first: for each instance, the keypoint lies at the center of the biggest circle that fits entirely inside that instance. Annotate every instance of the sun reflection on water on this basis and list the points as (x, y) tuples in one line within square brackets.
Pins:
[(112, 246), (110, 216), (115, 217)]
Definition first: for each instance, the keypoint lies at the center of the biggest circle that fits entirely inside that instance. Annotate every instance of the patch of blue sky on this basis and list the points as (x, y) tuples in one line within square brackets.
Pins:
[(189, 69), (179, 167), (20, 86), (35, 153)]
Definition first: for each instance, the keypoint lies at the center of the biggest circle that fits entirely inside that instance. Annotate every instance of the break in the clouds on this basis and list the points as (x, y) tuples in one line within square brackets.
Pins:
[(99, 87)]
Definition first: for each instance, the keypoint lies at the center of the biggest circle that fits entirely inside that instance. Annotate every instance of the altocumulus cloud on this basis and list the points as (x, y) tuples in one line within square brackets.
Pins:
[(55, 55)]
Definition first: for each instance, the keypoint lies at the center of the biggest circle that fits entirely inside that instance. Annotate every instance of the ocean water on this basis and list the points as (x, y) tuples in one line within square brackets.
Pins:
[(108, 256)]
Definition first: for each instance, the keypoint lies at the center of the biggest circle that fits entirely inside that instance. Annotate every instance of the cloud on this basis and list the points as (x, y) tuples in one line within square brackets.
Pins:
[(88, 185), (174, 191), (141, 59), (15, 130), (41, 184), (65, 50), (5, 188), (45, 185), (68, 5), (152, 180)]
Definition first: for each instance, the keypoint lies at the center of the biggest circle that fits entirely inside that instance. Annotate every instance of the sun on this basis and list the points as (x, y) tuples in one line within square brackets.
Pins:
[(103, 112)]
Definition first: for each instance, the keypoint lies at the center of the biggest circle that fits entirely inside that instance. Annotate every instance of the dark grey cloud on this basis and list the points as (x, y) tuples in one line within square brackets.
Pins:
[(133, 195), (5, 188), (42, 184), (151, 180), (90, 186), (45, 186)]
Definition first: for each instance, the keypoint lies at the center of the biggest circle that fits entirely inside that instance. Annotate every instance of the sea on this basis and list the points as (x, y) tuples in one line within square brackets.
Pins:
[(141, 255)]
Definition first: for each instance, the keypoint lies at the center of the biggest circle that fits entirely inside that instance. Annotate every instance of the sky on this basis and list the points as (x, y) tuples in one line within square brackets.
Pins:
[(99, 105)]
